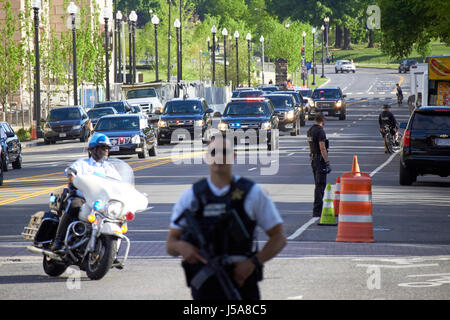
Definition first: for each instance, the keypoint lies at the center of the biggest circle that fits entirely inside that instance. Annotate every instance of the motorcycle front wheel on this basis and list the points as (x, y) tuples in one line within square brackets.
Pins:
[(53, 268), (101, 259)]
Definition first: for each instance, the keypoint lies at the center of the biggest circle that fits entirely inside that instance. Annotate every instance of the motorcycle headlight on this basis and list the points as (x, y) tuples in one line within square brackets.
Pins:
[(162, 124), (136, 139), (114, 209), (76, 127), (266, 126)]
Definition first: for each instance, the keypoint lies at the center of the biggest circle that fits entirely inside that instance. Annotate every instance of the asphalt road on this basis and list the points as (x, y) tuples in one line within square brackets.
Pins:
[(410, 258)]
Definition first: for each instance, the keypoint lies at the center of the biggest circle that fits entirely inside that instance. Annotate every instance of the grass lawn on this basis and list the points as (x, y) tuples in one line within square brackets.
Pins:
[(373, 57)]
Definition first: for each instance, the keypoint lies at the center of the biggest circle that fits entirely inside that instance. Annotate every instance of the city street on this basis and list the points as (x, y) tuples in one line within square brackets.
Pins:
[(410, 258)]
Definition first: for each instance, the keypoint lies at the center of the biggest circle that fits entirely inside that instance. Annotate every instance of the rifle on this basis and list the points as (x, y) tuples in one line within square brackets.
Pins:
[(214, 266)]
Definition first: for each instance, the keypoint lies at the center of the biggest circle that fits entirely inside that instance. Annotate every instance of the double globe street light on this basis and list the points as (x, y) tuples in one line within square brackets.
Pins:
[(72, 9), (36, 127), (225, 35), (155, 22)]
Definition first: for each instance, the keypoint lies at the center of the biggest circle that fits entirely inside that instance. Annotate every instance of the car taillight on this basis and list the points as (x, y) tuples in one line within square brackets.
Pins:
[(407, 138)]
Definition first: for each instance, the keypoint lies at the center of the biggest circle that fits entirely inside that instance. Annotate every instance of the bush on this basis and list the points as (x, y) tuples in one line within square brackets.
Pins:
[(24, 134)]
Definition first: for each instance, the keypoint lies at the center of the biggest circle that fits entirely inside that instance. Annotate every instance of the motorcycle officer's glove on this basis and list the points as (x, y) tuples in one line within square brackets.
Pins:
[(327, 168)]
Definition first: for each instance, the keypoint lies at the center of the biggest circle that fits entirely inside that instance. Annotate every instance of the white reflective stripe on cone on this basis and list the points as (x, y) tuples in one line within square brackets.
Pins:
[(337, 196), (354, 218), (356, 197)]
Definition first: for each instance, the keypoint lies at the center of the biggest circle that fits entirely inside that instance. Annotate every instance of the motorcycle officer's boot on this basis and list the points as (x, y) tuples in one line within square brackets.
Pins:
[(61, 232)]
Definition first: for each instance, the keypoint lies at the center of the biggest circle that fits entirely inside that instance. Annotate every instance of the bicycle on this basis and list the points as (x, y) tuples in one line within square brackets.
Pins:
[(388, 139)]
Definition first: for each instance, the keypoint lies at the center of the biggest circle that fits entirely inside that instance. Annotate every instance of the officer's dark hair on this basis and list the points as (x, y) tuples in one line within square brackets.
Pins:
[(319, 117)]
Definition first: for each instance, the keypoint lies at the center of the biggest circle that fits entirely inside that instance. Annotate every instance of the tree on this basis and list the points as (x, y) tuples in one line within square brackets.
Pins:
[(11, 55)]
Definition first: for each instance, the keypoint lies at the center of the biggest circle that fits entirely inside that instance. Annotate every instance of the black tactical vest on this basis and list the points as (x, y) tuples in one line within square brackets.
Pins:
[(223, 221)]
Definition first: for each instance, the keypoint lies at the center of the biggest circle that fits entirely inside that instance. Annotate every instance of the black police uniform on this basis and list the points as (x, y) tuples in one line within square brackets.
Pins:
[(315, 135), (386, 117), (224, 235)]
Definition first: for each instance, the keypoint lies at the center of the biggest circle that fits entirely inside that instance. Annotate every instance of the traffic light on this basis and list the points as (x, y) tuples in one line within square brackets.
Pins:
[(303, 51)]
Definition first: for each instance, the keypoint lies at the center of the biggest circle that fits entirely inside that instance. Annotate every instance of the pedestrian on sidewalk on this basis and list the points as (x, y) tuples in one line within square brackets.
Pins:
[(318, 152)]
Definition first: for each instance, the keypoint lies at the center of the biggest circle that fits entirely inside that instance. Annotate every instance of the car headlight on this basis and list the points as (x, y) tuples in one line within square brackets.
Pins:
[(199, 123), (266, 126), (290, 115), (76, 127), (312, 103), (114, 209), (222, 126), (162, 124), (339, 104), (136, 139)]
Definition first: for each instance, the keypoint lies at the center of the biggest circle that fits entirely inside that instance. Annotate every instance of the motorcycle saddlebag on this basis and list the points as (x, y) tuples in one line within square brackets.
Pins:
[(47, 230)]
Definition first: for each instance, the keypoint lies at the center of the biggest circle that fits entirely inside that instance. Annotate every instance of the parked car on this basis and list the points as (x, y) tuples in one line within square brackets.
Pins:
[(328, 101), (192, 114), (121, 106), (406, 64), (344, 66), (129, 134), (11, 149), (256, 114), (287, 111), (96, 113), (425, 146), (67, 123)]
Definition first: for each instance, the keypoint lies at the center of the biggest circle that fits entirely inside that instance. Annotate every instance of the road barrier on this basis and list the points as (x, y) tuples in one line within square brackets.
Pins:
[(355, 207), (336, 199), (328, 218)]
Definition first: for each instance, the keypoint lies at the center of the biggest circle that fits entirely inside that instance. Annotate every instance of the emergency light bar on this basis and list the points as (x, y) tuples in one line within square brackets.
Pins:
[(249, 99)]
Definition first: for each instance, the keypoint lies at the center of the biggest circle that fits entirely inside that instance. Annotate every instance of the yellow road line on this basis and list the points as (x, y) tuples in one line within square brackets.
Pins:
[(399, 82), (31, 195)]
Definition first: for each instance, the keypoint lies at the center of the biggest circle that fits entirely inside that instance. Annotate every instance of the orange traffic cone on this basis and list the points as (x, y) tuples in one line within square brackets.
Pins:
[(33, 130), (336, 200), (355, 166)]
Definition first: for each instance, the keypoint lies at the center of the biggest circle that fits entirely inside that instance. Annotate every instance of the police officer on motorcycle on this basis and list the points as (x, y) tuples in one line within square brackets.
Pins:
[(386, 117), (99, 146), (227, 208), (318, 152)]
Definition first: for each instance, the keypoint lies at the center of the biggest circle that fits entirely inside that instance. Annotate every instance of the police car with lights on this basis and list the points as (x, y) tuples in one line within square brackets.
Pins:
[(251, 120)]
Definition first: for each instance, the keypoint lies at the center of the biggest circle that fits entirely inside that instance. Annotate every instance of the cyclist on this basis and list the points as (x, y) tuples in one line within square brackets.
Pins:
[(387, 117)]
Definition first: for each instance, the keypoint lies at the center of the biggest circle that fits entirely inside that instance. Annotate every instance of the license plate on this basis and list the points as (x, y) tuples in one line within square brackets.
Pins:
[(289, 126), (181, 136), (62, 135), (115, 148), (325, 113), (443, 142)]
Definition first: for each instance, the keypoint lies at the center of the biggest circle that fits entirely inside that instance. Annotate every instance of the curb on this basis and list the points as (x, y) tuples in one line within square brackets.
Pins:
[(30, 144)]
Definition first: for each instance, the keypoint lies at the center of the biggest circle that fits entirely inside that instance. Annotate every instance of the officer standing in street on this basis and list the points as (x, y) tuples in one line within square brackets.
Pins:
[(227, 208), (318, 152)]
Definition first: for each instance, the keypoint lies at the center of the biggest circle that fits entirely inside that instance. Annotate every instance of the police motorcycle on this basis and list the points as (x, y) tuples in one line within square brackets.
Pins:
[(93, 241)]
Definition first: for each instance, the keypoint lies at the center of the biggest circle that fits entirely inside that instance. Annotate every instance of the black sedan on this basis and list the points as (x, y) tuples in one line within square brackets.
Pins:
[(129, 134), (185, 119), (121, 106), (96, 113), (11, 149), (250, 120), (67, 123), (300, 103), (287, 112)]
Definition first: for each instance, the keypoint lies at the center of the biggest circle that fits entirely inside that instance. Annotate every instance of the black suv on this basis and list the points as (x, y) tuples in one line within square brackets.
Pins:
[(11, 149), (67, 123), (300, 103), (253, 116), (328, 101), (185, 118), (405, 65), (121, 106), (287, 112), (426, 144)]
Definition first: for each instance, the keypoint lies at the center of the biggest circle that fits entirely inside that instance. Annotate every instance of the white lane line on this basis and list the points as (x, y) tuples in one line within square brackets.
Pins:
[(251, 169), (384, 164), (291, 154), (302, 228)]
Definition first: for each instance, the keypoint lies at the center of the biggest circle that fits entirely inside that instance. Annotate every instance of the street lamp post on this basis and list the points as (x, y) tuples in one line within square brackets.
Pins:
[(155, 21), (236, 36), (303, 59), (37, 75), (72, 9), (106, 14), (119, 55), (133, 19), (213, 50), (181, 40), (314, 57), (248, 38), (327, 23), (169, 37), (177, 25), (225, 34), (323, 38), (262, 56)]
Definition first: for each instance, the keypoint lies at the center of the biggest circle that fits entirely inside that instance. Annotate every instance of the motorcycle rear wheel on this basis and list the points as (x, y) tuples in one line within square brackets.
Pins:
[(53, 268), (101, 259)]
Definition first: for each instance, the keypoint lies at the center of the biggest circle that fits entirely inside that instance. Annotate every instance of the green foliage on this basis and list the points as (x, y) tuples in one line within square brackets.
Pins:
[(24, 134)]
